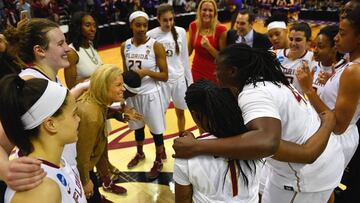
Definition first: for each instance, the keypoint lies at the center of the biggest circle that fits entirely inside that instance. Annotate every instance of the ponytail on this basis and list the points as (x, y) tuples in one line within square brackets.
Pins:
[(175, 36), (16, 97)]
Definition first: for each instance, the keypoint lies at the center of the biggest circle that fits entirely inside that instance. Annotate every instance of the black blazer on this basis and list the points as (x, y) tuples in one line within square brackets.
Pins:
[(259, 40)]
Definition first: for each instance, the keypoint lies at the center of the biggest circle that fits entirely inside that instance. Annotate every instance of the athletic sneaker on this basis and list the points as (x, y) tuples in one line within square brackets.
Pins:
[(114, 188), (138, 157), (155, 170)]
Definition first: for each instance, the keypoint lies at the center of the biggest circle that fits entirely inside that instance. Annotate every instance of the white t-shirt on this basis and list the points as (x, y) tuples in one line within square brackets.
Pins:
[(178, 64), (142, 57), (67, 179), (299, 121), (206, 174), (69, 152), (290, 66)]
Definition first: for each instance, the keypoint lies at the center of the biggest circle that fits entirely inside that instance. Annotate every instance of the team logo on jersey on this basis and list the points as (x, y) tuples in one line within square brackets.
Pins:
[(315, 68), (61, 179), (128, 46), (147, 52), (281, 59)]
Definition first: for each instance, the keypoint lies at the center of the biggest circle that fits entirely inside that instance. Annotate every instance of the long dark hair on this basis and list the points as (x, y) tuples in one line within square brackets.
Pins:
[(222, 114), (163, 8), (255, 65), (16, 97), (75, 30)]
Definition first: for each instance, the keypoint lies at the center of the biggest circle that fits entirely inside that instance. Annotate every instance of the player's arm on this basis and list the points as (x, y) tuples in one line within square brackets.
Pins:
[(70, 72), (312, 148), (160, 56), (348, 98), (19, 174), (122, 51), (262, 140), (47, 192), (183, 193)]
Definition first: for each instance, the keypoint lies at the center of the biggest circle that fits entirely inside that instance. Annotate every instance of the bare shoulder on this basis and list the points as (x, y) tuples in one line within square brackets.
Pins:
[(48, 191), (352, 74)]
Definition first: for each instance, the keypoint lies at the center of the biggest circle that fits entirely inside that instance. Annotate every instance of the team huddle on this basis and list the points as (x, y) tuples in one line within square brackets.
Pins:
[(277, 117)]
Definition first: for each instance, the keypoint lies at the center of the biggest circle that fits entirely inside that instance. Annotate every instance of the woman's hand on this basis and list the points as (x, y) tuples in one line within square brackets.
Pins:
[(184, 146), (205, 42), (89, 189), (323, 77), (130, 114), (305, 77), (23, 173)]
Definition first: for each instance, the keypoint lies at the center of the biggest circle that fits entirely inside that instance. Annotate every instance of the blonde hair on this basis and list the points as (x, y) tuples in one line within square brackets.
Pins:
[(214, 21), (101, 80)]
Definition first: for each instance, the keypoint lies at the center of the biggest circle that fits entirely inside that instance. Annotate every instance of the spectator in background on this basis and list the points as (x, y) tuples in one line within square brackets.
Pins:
[(54, 10), (244, 32), (40, 9), (22, 5)]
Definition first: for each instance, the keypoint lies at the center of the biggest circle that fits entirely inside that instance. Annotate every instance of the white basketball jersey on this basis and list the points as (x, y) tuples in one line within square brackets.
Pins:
[(176, 62), (142, 57), (206, 174), (290, 66), (299, 121), (67, 179), (69, 152), (318, 67), (89, 61), (330, 91)]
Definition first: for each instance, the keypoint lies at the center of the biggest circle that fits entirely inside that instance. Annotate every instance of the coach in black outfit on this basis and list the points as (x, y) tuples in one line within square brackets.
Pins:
[(243, 31)]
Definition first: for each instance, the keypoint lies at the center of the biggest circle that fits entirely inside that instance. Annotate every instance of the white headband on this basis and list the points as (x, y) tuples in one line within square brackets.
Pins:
[(276, 24), (138, 14), (49, 102)]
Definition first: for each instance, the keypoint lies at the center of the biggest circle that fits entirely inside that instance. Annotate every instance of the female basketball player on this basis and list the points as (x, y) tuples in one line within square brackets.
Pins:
[(41, 44), (341, 92), (39, 117), (277, 31), (326, 58), (173, 39), (273, 110), (292, 58), (210, 178), (148, 58)]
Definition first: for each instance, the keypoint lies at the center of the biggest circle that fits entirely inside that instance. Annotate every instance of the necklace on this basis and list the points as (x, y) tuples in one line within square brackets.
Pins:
[(92, 56)]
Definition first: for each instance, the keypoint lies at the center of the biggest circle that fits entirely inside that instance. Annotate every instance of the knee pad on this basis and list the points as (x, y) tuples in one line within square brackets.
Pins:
[(158, 139), (140, 134)]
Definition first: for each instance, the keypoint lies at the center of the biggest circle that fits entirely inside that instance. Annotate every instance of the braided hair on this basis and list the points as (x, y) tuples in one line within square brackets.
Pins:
[(222, 113), (255, 65)]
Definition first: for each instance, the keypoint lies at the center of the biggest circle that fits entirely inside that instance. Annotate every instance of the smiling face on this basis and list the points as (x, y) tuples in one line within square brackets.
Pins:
[(207, 12), (297, 42), (166, 21), (88, 28), (56, 53), (116, 90), (242, 24), (323, 49)]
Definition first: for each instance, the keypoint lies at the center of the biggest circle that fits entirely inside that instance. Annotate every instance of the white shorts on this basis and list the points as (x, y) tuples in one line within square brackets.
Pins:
[(349, 142), (152, 108), (175, 91), (273, 194), (264, 176)]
